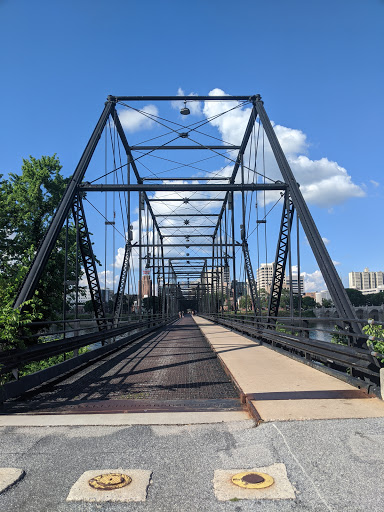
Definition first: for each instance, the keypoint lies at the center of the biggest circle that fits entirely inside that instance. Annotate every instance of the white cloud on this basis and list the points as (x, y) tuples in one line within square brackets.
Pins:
[(325, 240), (375, 183), (194, 106), (323, 182), (313, 282), (134, 121), (336, 263), (106, 278)]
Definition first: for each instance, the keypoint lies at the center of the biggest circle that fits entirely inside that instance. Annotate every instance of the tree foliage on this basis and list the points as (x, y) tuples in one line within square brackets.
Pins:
[(375, 332), (356, 297), (245, 302), (308, 303), (27, 203)]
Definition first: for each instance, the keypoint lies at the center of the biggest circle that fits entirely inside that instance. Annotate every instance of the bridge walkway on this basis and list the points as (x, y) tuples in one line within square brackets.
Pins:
[(279, 388), (173, 369)]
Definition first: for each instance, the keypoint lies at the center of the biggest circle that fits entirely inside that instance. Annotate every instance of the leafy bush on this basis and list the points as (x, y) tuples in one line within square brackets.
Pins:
[(376, 336)]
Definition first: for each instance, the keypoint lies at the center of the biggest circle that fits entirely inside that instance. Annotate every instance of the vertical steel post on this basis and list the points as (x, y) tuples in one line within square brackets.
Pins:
[(212, 300), (153, 269), (289, 256), (165, 288), (233, 253), (139, 291), (129, 226), (298, 262), (65, 280)]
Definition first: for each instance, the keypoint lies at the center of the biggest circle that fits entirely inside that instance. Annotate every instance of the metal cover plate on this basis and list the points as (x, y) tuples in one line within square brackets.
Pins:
[(110, 481)]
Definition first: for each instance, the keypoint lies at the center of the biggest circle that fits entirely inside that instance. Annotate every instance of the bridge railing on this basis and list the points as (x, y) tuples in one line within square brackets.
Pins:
[(349, 357), (12, 361)]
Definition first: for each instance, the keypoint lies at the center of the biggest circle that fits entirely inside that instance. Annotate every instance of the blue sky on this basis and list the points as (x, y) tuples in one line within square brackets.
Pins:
[(317, 65)]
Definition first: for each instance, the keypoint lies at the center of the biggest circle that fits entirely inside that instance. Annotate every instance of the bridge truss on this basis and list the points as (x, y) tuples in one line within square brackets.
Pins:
[(195, 212)]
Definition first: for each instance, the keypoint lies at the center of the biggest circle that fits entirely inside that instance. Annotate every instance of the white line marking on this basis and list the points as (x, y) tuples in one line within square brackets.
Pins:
[(302, 469)]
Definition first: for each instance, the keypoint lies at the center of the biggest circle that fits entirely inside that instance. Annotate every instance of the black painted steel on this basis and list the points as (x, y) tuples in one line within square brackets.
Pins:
[(31, 280), (89, 262), (185, 187), (281, 258), (122, 282), (180, 98), (153, 148), (327, 268)]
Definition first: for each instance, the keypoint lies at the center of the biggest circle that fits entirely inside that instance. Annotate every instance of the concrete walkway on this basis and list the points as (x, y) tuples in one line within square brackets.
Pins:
[(280, 388)]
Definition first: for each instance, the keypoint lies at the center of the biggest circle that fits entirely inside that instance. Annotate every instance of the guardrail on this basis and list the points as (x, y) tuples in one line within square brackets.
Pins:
[(291, 336), (12, 360)]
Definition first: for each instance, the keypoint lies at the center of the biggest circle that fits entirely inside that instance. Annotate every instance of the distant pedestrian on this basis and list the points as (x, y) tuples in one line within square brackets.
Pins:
[(182, 313), (179, 314)]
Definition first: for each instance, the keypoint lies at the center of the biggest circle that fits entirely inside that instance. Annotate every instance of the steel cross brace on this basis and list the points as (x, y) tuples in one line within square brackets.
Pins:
[(326, 266)]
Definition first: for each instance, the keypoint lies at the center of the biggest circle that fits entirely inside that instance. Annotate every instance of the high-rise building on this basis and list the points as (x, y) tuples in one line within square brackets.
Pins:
[(265, 276), (146, 286), (366, 280), (223, 274), (295, 283)]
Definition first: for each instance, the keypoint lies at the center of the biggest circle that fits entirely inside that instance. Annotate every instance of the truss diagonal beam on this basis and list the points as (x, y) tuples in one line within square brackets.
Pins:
[(326, 266), (31, 280), (122, 281), (89, 262), (131, 160), (251, 279), (281, 257), (247, 134)]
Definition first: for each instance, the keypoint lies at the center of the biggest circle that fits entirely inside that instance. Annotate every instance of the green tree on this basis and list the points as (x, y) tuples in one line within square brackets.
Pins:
[(245, 302), (375, 299), (28, 201), (284, 299), (356, 297), (264, 298), (326, 303), (308, 303)]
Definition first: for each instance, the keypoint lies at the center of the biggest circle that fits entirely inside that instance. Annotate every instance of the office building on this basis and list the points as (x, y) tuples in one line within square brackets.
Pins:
[(146, 286), (366, 280)]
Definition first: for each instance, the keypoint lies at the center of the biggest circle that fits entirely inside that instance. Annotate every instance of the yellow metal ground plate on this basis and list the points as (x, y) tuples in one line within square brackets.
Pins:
[(252, 480), (109, 481)]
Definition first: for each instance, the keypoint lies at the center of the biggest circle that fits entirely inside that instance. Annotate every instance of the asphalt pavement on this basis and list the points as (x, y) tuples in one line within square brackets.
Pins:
[(332, 465)]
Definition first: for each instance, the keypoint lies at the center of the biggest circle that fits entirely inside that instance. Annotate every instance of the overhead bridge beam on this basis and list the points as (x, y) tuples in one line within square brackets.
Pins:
[(185, 226), (186, 187), (185, 215), (186, 244), (200, 178), (156, 148), (187, 200), (249, 97), (180, 187)]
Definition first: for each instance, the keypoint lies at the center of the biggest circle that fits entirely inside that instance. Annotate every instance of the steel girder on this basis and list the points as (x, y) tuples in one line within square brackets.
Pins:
[(122, 282), (89, 261), (326, 266), (251, 279), (281, 257), (44, 250)]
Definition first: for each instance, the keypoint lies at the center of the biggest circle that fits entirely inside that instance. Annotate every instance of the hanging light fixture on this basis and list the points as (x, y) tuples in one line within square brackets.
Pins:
[(185, 110)]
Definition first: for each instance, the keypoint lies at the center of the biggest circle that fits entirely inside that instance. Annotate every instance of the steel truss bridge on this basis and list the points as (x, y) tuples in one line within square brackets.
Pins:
[(196, 215)]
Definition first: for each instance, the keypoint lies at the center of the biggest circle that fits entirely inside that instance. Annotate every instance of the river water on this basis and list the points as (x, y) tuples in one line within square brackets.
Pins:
[(318, 332)]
